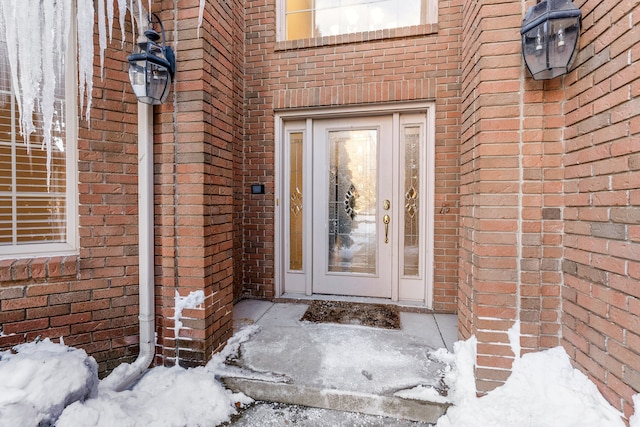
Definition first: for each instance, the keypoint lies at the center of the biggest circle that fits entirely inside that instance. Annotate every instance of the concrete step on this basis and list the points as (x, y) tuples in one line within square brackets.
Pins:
[(339, 400), (337, 367), (270, 414)]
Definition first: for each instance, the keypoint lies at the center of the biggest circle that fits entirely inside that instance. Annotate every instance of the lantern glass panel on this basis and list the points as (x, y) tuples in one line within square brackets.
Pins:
[(562, 42), (535, 48), (158, 82), (137, 75)]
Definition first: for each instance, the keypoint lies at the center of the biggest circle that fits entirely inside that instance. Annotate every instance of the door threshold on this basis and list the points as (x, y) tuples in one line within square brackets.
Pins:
[(407, 306)]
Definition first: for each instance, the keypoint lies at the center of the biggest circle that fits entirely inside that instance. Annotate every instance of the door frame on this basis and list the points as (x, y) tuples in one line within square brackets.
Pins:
[(306, 116)]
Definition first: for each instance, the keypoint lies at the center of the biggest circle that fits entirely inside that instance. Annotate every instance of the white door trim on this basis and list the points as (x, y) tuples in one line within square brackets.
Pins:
[(308, 115)]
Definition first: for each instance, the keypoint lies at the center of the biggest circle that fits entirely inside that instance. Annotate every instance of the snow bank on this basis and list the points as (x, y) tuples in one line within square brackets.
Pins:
[(40, 379), (544, 390), (37, 382), (163, 397)]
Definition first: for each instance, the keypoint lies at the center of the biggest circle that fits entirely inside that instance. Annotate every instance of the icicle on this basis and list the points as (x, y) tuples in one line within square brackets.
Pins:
[(85, 52), (200, 16), (28, 23), (58, 35), (102, 33), (110, 18), (122, 12), (11, 37), (141, 19), (35, 33), (49, 80), (133, 25), (5, 70)]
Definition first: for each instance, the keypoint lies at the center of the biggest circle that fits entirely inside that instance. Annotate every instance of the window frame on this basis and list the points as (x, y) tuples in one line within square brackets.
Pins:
[(71, 245), (281, 30)]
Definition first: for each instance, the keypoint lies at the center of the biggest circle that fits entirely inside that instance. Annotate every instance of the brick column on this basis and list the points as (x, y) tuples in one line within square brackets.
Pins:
[(196, 132), (511, 149)]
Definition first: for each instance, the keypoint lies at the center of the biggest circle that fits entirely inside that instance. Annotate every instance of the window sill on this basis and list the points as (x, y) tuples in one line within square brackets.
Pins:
[(367, 36), (25, 269)]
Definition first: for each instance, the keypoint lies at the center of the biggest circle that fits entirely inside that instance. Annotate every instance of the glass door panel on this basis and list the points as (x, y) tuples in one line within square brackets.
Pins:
[(352, 187), (410, 141), (296, 206)]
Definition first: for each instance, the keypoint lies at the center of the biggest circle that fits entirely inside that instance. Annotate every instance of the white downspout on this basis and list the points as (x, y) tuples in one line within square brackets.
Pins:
[(121, 379), (124, 375)]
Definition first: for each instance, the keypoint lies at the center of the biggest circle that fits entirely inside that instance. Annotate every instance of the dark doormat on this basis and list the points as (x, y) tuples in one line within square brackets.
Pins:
[(350, 313)]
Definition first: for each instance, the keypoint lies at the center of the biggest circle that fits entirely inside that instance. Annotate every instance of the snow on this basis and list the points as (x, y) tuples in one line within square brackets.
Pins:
[(163, 397), (424, 393), (191, 301), (634, 420), (544, 390), (40, 379), (514, 338), (37, 380)]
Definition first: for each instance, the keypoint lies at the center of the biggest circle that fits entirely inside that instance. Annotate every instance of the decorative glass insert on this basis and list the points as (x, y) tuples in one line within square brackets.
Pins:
[(350, 201), (352, 194), (320, 18), (295, 201), (411, 143)]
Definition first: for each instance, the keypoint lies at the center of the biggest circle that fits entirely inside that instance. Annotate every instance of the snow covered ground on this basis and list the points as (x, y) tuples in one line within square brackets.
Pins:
[(39, 382)]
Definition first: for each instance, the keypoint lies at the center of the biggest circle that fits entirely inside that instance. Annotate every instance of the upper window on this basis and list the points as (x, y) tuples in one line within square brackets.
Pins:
[(318, 18), (37, 195)]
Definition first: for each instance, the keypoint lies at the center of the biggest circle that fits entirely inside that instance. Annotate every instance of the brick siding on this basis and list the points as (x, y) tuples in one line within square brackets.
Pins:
[(198, 134), (602, 176)]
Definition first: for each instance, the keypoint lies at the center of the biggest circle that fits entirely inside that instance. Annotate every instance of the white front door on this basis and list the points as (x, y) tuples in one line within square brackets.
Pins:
[(352, 179), (355, 207)]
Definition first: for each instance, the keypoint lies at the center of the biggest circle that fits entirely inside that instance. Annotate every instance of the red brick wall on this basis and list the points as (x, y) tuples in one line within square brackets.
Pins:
[(89, 299), (420, 63), (601, 297)]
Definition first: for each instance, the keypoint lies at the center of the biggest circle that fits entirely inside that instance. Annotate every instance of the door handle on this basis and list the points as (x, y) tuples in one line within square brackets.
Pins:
[(386, 219)]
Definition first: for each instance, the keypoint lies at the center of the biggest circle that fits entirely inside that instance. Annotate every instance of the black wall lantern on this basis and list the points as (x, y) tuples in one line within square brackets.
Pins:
[(152, 66), (550, 33)]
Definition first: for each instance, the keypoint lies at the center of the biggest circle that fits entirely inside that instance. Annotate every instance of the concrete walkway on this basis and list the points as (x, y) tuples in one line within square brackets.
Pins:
[(339, 367)]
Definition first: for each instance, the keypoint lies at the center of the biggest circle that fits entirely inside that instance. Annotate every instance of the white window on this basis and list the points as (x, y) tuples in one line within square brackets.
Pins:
[(301, 19), (37, 215)]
